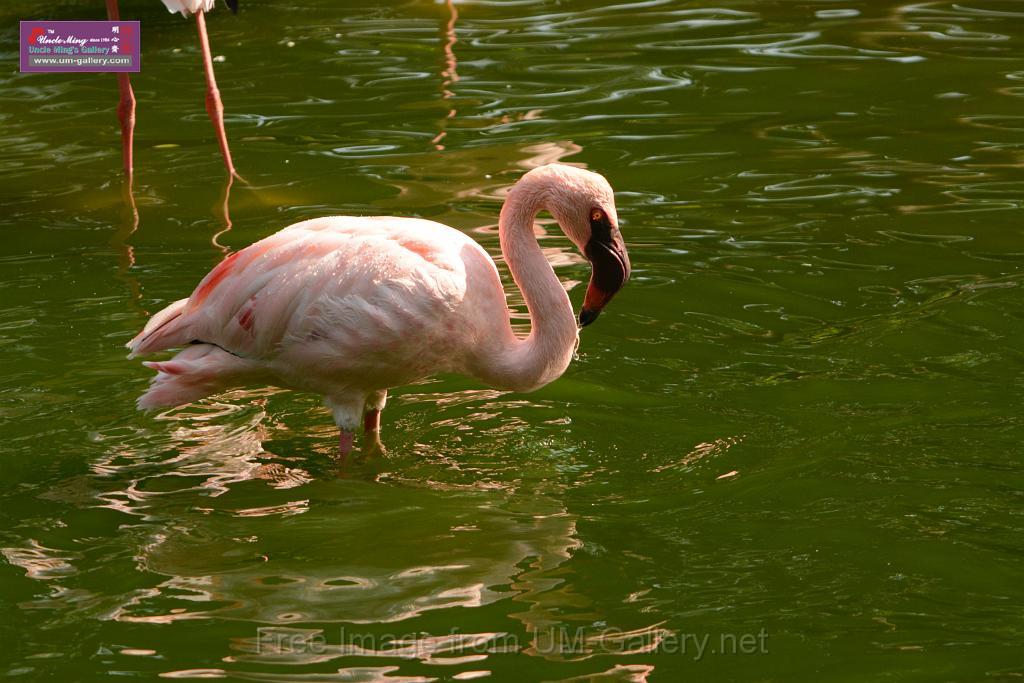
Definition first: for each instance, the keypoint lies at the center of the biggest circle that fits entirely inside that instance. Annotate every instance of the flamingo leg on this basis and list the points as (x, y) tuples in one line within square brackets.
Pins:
[(126, 107), (214, 106), (345, 441), (371, 421)]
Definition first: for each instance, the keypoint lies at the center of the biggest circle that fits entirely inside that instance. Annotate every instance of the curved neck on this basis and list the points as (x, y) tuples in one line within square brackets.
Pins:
[(530, 363)]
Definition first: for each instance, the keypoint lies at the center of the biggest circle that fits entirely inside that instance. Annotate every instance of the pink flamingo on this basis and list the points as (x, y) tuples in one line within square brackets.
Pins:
[(349, 307), (214, 106)]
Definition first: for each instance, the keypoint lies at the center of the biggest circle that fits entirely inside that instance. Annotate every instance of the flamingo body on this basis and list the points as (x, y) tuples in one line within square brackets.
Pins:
[(187, 7), (343, 307), (349, 307)]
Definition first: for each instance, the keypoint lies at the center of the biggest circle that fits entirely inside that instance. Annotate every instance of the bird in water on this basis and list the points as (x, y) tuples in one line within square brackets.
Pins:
[(349, 307), (214, 106)]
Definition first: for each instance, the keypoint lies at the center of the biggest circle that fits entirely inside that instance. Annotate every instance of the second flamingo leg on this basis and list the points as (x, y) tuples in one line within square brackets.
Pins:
[(126, 112), (126, 107), (214, 106), (371, 420), (374, 404)]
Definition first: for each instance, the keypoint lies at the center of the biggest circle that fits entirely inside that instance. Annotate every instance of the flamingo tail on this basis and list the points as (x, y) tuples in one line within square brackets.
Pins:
[(155, 334), (194, 373)]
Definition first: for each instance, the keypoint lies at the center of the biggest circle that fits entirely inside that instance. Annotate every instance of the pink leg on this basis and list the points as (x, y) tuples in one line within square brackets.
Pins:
[(126, 112), (371, 421), (345, 440), (126, 107), (214, 107)]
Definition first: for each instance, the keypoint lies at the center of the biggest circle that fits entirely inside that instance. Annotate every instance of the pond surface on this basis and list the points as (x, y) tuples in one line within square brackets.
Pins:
[(789, 450)]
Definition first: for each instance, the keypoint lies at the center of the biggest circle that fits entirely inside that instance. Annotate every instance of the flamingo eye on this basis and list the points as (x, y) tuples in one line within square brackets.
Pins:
[(596, 215)]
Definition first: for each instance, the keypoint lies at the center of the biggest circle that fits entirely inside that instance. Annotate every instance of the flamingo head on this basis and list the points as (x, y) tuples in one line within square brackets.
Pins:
[(583, 203), (609, 261)]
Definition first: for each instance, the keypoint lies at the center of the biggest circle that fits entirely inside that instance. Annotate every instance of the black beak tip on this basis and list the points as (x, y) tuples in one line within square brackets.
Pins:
[(587, 316), (232, 5)]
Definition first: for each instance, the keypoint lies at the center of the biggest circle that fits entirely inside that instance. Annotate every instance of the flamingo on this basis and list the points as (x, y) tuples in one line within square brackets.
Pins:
[(214, 106), (349, 307)]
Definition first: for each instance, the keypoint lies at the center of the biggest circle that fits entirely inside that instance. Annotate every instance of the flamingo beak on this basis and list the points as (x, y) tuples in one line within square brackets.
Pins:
[(610, 263), (232, 5)]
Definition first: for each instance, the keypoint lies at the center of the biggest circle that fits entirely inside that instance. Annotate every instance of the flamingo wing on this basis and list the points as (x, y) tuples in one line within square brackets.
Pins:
[(349, 284)]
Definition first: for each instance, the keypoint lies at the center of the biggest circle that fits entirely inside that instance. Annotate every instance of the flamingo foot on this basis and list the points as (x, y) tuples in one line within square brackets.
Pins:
[(215, 109), (345, 441)]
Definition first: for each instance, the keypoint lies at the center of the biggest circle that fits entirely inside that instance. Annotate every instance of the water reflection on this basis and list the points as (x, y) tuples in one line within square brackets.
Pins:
[(204, 453), (297, 551), (322, 563), (225, 216), (450, 74), (225, 530), (126, 252)]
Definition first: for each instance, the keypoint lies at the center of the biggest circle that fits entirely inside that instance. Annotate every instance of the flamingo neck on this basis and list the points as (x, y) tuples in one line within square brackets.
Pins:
[(530, 363)]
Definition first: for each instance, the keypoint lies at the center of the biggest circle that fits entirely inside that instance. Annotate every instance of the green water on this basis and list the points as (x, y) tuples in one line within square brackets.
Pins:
[(794, 438)]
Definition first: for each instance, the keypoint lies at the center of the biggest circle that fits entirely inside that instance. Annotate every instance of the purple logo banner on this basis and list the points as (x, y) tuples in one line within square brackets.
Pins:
[(84, 46)]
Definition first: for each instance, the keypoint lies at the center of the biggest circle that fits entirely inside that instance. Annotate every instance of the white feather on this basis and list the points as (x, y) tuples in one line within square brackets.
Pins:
[(187, 7)]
